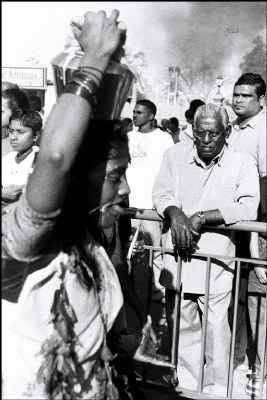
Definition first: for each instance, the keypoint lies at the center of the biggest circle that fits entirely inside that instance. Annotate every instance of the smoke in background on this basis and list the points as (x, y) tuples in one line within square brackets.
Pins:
[(218, 32), (169, 33)]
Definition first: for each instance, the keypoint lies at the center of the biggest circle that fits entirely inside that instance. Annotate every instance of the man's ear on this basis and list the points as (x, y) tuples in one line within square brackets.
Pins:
[(262, 100), (151, 116), (36, 136)]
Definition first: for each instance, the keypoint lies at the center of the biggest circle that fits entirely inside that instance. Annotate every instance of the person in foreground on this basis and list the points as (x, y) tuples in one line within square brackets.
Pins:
[(55, 335), (208, 184)]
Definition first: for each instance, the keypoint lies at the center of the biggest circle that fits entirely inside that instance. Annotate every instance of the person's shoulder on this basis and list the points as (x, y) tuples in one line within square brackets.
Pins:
[(179, 149), (131, 134), (9, 156), (163, 136), (241, 156), (260, 120)]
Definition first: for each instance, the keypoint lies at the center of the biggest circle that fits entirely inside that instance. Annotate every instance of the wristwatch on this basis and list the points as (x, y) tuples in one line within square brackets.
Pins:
[(202, 217)]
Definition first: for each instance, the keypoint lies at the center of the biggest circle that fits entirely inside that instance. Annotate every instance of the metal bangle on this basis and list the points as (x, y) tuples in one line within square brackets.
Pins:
[(86, 86), (91, 68), (86, 79), (79, 90), (91, 73)]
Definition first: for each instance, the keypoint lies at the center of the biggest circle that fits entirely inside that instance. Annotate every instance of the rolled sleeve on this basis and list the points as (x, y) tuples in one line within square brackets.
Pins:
[(262, 156), (24, 231), (163, 194), (247, 196)]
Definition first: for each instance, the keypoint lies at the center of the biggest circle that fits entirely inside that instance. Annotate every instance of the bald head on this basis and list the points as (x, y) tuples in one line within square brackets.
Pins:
[(9, 85)]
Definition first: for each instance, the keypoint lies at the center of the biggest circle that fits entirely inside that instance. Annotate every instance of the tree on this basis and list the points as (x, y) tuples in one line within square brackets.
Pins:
[(197, 77), (255, 60), (144, 80)]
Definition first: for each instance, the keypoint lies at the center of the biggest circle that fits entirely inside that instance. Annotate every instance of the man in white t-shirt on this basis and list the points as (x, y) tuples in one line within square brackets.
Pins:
[(147, 146)]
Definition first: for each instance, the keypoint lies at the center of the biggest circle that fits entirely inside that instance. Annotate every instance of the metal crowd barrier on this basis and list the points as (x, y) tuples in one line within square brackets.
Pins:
[(248, 226)]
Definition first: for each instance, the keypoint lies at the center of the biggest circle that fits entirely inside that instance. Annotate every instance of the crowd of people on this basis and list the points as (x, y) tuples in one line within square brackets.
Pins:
[(65, 276)]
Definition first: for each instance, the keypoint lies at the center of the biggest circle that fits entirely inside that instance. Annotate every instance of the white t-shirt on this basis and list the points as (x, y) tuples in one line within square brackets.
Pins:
[(146, 151), (17, 173)]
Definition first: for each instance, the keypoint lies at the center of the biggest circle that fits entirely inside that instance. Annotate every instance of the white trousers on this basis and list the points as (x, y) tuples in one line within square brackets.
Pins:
[(217, 339)]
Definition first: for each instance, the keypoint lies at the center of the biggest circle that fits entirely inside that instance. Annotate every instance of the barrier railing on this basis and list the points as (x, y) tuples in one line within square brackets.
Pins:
[(241, 226)]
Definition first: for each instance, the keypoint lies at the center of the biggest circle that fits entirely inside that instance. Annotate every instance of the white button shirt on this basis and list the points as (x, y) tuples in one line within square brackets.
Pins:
[(230, 184)]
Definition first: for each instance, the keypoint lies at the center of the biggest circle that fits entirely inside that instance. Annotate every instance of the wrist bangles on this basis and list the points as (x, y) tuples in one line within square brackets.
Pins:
[(82, 84)]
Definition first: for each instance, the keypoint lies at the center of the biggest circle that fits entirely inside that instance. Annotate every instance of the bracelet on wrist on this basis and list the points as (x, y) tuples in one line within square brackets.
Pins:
[(79, 90), (86, 67), (86, 79), (92, 74), (92, 71), (85, 86)]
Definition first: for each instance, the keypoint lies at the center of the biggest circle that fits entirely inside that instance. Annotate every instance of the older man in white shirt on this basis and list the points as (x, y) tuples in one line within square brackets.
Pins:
[(208, 184)]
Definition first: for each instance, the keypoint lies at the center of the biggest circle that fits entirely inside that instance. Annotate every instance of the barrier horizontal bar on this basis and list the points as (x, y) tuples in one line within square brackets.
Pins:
[(206, 255), (152, 215)]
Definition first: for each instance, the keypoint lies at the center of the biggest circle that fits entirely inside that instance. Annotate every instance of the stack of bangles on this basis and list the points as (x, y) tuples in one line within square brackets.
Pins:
[(84, 83)]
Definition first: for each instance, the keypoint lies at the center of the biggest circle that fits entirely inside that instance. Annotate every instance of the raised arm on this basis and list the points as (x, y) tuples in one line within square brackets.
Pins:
[(66, 126)]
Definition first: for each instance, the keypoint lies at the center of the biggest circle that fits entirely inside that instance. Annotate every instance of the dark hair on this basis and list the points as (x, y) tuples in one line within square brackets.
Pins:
[(102, 138), (149, 105), (195, 104), (104, 141), (17, 100), (174, 121), (35, 103), (9, 85), (126, 121), (189, 114), (29, 119), (124, 125), (254, 80)]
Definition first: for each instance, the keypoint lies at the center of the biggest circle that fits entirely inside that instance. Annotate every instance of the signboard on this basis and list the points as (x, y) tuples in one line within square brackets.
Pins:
[(25, 78)]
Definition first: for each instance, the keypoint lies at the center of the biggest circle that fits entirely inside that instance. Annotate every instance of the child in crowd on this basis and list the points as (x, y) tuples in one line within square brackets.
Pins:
[(13, 100), (24, 130)]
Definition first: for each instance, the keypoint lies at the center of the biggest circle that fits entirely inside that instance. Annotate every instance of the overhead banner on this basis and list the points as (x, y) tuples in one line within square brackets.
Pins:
[(25, 78)]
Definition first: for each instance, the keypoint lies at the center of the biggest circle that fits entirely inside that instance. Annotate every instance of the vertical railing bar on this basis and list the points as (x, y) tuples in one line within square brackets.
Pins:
[(264, 349), (149, 292), (150, 277), (205, 324), (176, 321), (232, 352)]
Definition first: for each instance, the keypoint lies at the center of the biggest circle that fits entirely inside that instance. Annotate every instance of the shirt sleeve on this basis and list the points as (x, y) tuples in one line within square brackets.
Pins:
[(162, 193), (247, 195), (25, 232), (262, 155)]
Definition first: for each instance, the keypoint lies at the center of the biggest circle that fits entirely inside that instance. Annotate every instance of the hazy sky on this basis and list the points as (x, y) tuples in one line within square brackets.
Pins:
[(169, 33)]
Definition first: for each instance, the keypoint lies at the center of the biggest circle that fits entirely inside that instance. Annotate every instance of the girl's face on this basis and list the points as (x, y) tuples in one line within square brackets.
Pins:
[(6, 113), (107, 186)]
